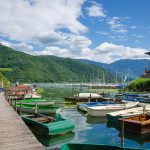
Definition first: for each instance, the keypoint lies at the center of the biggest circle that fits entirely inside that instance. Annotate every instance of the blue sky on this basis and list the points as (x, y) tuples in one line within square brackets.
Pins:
[(99, 30)]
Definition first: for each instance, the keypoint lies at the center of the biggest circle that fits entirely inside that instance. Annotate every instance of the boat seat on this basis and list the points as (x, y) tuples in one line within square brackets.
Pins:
[(136, 118), (131, 118), (146, 122), (41, 119), (142, 117)]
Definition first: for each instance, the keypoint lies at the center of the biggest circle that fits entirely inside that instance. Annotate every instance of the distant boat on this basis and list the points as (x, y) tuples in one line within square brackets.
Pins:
[(137, 124), (114, 116), (101, 111), (32, 95), (50, 125), (84, 97), (77, 146), (87, 95)]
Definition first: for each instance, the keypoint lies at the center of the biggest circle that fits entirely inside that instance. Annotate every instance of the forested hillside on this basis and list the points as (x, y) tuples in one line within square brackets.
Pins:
[(28, 68)]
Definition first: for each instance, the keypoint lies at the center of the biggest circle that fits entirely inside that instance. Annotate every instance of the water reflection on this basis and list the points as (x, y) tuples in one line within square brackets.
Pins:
[(96, 120), (50, 141), (140, 139)]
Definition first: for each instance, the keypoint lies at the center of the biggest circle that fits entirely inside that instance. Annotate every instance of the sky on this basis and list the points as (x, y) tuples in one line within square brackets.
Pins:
[(99, 30)]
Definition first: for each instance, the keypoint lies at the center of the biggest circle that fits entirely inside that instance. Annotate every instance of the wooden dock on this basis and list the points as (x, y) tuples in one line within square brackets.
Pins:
[(14, 134)]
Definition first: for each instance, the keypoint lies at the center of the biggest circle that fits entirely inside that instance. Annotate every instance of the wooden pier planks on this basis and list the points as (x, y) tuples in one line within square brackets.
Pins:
[(14, 134)]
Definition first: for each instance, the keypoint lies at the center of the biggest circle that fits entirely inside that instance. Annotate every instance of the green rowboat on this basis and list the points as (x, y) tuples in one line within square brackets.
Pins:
[(49, 125), (37, 106), (74, 146)]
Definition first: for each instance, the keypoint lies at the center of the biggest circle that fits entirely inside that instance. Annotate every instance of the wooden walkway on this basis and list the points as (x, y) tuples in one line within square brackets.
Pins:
[(14, 134)]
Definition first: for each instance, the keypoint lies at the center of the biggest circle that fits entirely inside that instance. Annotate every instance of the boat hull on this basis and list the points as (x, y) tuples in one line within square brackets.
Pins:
[(138, 124), (114, 116), (41, 111), (75, 146), (101, 111), (49, 125), (84, 106)]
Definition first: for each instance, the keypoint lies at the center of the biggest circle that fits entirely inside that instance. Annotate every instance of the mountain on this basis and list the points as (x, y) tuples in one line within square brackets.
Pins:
[(28, 68), (133, 68)]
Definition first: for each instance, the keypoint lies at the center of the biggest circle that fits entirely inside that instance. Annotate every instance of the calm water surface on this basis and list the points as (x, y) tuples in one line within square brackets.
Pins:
[(87, 129)]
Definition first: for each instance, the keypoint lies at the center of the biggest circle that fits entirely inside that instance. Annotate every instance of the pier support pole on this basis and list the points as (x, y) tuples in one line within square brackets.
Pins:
[(16, 105), (144, 108), (36, 107), (20, 109)]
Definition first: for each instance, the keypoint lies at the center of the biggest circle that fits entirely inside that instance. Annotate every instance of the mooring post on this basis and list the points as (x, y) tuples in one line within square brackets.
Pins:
[(16, 105), (78, 97), (144, 109), (89, 99), (35, 107), (20, 109), (11, 101)]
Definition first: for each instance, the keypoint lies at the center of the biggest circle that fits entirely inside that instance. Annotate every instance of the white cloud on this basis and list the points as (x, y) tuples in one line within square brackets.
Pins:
[(96, 10), (53, 50), (105, 52), (51, 38), (77, 43), (116, 24), (133, 27), (138, 36), (25, 20), (115, 52), (103, 33), (24, 47), (5, 43)]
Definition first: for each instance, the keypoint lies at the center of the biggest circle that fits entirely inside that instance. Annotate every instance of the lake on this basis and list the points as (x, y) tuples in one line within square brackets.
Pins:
[(87, 129)]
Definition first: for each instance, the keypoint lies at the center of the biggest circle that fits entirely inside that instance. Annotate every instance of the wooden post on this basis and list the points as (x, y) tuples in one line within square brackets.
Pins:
[(20, 109), (122, 132), (89, 99), (144, 109), (11, 101), (78, 97), (36, 107), (125, 105), (16, 105)]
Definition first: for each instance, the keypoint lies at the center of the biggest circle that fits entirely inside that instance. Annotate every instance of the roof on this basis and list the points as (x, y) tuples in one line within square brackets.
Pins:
[(148, 53)]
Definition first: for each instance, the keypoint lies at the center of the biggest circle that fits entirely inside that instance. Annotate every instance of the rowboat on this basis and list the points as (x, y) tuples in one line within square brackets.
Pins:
[(101, 111), (83, 106), (139, 124), (49, 125), (75, 146), (43, 107), (114, 116)]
